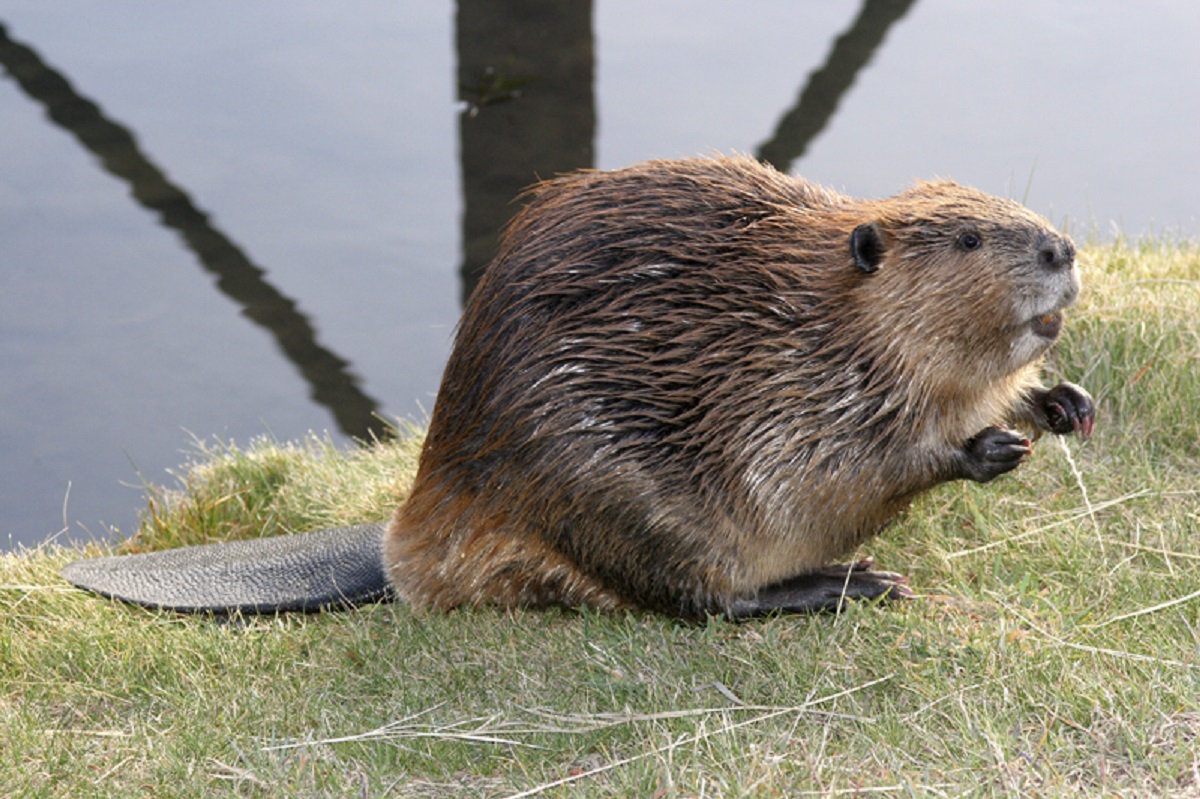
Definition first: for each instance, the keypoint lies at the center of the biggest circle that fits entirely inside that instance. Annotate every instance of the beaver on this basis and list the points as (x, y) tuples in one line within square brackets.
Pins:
[(688, 386)]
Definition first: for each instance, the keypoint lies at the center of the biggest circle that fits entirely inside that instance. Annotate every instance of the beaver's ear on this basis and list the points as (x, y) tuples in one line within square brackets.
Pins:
[(866, 245)]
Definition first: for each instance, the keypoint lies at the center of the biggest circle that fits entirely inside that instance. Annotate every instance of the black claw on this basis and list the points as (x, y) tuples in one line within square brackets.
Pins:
[(1057, 416)]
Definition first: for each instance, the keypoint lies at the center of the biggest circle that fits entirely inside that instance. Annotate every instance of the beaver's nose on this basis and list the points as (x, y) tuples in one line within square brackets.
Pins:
[(1056, 252)]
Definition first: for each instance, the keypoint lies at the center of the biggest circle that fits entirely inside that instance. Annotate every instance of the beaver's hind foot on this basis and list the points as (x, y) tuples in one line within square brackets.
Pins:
[(826, 589)]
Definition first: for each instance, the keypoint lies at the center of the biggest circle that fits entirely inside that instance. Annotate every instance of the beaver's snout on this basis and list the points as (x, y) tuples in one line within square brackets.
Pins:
[(1056, 252)]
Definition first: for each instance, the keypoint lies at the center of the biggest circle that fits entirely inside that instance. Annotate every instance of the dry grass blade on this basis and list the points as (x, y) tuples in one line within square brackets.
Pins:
[(1072, 516), (1094, 650), (696, 738), (1145, 611)]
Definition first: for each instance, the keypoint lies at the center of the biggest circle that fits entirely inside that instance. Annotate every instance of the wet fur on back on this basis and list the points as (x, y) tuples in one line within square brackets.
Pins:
[(679, 382)]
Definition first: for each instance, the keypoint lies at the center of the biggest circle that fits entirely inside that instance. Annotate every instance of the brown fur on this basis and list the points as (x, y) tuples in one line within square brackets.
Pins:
[(674, 386)]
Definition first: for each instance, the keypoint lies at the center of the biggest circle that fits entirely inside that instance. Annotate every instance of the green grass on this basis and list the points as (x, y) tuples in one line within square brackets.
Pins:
[(1054, 650)]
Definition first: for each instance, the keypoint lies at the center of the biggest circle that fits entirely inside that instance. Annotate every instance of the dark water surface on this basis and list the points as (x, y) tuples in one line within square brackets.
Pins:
[(229, 219)]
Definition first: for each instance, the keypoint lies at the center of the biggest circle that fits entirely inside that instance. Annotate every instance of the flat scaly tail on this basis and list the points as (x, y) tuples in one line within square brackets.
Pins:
[(307, 572)]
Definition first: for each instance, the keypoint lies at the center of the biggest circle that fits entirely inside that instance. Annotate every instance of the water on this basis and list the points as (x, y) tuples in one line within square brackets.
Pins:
[(229, 220)]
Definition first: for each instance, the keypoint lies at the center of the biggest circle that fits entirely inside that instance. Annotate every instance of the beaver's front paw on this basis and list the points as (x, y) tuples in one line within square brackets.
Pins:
[(1066, 409), (993, 452)]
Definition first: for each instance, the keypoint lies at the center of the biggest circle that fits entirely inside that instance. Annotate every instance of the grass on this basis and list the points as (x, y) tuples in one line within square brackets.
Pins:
[(1054, 651)]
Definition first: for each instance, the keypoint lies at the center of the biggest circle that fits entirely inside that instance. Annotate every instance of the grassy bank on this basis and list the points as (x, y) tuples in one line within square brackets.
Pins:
[(1053, 652)]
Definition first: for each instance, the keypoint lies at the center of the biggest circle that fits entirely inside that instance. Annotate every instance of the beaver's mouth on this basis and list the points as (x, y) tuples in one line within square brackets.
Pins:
[(1048, 325)]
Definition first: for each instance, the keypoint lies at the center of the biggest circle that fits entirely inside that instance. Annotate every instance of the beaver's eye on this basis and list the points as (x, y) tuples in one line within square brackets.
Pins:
[(970, 241)]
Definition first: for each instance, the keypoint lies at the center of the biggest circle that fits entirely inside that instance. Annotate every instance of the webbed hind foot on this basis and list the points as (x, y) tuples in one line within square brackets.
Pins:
[(825, 589)]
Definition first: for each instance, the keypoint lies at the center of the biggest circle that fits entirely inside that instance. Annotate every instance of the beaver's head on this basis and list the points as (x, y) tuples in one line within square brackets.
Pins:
[(975, 282)]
